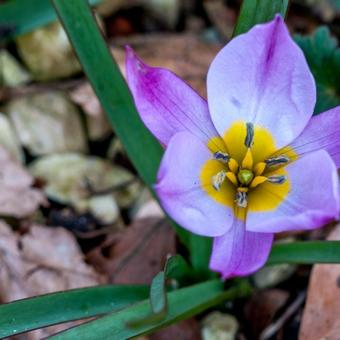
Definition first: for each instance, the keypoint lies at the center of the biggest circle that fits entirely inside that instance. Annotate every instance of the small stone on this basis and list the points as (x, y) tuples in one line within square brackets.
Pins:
[(105, 208), (11, 72), (273, 275), (47, 123), (219, 326), (75, 179), (47, 52)]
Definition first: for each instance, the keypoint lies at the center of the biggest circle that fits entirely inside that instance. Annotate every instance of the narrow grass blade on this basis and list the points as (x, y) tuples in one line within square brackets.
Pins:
[(22, 16), (305, 252), (182, 304), (45, 310), (257, 11), (110, 87)]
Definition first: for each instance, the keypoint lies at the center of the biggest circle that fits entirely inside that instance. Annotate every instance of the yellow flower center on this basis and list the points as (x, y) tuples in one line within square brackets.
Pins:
[(243, 173)]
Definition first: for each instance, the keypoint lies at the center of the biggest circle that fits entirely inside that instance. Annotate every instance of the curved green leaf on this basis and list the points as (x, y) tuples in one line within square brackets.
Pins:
[(323, 56), (45, 310), (182, 304)]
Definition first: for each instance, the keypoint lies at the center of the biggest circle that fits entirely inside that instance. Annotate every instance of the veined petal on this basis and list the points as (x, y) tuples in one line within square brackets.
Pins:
[(239, 252), (322, 132), (180, 191), (313, 199), (166, 104), (262, 77)]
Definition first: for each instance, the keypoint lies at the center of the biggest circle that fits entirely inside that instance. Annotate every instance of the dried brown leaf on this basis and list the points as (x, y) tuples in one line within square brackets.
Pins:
[(138, 253), (17, 198), (322, 310), (262, 307), (44, 260)]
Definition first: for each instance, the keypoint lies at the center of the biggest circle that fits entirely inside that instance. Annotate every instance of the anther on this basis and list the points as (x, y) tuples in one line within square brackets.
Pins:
[(233, 165), (250, 135), (221, 156), (257, 181), (241, 199), (277, 160), (232, 177), (259, 168), (218, 179), (248, 162), (277, 179)]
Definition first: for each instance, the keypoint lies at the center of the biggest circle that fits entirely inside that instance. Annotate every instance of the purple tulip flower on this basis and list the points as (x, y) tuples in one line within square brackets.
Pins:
[(251, 161)]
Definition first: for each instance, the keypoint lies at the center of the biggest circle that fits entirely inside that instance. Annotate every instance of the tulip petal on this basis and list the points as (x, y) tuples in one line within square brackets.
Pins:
[(262, 77), (239, 252), (180, 192), (322, 132), (313, 199), (166, 104)]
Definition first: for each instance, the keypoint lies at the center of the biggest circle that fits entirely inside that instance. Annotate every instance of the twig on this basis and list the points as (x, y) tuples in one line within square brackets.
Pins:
[(20, 91), (272, 329)]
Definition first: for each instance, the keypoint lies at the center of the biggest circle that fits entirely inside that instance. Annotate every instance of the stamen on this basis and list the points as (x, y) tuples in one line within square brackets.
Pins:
[(259, 168), (232, 177), (233, 165), (221, 156), (277, 160), (241, 199), (218, 179), (248, 162), (257, 181), (277, 179), (250, 135)]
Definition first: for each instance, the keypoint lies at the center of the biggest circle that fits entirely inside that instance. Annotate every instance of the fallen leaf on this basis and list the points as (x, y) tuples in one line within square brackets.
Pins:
[(9, 139), (17, 198), (137, 254), (322, 310), (184, 330), (27, 271), (261, 308), (96, 121)]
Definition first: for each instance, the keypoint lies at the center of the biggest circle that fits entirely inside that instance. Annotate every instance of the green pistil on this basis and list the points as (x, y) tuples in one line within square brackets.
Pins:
[(245, 176)]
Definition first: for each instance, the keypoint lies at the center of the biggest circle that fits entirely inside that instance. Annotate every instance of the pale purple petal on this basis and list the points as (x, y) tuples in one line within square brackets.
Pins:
[(322, 132), (239, 252), (262, 77), (180, 192), (166, 104), (312, 201)]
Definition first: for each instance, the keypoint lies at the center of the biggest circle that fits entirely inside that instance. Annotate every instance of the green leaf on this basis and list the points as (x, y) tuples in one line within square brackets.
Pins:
[(177, 268), (306, 252), (20, 16), (323, 57), (258, 11), (158, 297), (110, 87), (182, 304), (45, 310), (200, 251)]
